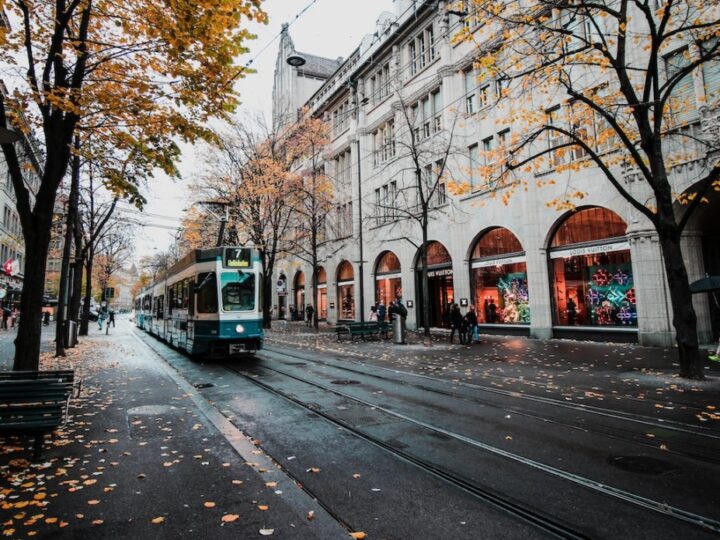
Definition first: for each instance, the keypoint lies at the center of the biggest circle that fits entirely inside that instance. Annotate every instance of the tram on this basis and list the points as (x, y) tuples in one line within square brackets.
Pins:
[(208, 303)]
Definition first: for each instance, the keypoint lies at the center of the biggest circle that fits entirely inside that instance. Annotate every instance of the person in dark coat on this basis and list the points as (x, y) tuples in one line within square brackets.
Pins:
[(471, 324), (111, 318), (309, 311), (381, 312), (455, 322)]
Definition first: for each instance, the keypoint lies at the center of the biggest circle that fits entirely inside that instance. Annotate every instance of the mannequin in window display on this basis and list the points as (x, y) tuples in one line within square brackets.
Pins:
[(571, 311), (492, 312)]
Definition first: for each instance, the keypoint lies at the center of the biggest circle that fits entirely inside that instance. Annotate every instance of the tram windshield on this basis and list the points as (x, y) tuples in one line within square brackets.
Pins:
[(238, 291)]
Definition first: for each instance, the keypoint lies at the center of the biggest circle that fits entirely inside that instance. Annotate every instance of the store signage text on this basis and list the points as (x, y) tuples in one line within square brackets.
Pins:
[(441, 272), (497, 262), (590, 250)]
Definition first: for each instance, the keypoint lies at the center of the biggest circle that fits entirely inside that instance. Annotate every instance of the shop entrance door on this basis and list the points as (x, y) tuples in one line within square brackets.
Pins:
[(441, 294)]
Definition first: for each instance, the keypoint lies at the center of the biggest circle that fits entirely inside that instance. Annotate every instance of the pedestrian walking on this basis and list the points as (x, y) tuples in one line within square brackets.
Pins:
[(309, 312), (455, 322), (5, 316), (111, 318), (46, 318)]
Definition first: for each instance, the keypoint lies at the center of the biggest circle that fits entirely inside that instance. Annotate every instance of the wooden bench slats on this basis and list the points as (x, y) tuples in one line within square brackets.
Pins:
[(34, 402), (362, 329)]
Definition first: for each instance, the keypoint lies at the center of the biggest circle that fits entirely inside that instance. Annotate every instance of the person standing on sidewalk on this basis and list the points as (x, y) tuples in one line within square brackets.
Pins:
[(5, 316), (309, 311), (472, 325), (111, 318), (373, 317), (455, 322), (381, 312)]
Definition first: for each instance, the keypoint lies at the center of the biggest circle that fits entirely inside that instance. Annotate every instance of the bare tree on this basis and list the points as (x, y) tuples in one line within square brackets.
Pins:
[(417, 189), (251, 173)]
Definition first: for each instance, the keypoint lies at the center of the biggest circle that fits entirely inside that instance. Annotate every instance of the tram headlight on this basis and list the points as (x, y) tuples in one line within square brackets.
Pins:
[(239, 328)]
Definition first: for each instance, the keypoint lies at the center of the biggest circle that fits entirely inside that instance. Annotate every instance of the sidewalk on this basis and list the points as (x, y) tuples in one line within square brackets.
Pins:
[(140, 458)]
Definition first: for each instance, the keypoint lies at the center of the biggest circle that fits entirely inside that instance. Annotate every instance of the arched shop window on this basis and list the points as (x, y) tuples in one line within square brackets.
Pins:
[(388, 285), (440, 284), (346, 291), (299, 288), (498, 277), (321, 301), (592, 277)]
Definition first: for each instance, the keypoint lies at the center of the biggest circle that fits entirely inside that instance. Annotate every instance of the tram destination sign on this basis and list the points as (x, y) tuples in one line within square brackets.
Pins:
[(237, 258), (590, 250)]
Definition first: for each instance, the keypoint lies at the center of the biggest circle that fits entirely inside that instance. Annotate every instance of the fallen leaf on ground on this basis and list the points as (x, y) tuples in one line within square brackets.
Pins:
[(271, 484), (209, 504), (263, 507), (94, 502), (267, 532), (98, 522), (358, 535), (229, 518), (157, 520), (237, 482), (311, 515)]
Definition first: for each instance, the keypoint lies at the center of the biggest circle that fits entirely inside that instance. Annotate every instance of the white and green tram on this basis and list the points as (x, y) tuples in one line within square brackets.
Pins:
[(209, 303)]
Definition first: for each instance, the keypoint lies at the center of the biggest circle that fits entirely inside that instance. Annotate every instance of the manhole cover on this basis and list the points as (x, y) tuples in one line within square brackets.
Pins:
[(344, 382), (643, 465), (153, 410), (203, 385)]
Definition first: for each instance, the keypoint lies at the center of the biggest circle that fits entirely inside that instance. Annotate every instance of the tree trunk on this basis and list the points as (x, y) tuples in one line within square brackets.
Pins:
[(27, 341), (684, 317), (70, 219), (84, 321), (267, 293), (76, 297)]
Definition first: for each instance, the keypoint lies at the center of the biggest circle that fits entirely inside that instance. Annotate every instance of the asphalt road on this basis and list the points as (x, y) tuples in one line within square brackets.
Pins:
[(407, 455)]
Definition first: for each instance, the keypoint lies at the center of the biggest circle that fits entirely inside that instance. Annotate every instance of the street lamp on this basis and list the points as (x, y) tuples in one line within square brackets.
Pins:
[(296, 60)]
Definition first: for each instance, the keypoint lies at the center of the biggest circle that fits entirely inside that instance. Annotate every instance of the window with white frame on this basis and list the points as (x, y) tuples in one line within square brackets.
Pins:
[(489, 153), (380, 84), (422, 50), (341, 118), (384, 142), (555, 139), (427, 115), (343, 168), (343, 219), (682, 105), (470, 91), (473, 165), (484, 96), (386, 202)]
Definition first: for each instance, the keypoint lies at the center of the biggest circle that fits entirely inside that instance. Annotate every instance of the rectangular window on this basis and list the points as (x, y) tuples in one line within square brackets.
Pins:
[(555, 139), (682, 105), (422, 50), (378, 209), (484, 96), (206, 290), (470, 94), (238, 291), (489, 154)]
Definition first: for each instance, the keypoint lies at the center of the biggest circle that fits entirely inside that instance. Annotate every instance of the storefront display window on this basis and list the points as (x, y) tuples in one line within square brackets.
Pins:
[(498, 277), (593, 281), (388, 285), (346, 291)]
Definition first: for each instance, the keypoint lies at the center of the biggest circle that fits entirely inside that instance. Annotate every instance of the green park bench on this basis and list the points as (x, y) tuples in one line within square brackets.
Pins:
[(66, 376), (34, 406), (362, 329)]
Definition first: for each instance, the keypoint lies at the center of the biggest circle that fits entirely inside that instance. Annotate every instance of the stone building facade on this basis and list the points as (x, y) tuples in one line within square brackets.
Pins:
[(595, 273)]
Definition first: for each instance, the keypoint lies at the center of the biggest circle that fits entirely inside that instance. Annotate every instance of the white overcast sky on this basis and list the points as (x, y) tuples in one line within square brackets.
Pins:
[(330, 28)]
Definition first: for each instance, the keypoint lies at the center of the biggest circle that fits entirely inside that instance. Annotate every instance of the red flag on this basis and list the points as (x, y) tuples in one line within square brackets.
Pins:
[(7, 267)]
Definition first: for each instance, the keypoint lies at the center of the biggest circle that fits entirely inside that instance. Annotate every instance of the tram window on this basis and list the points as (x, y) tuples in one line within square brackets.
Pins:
[(206, 291), (238, 291), (185, 293), (160, 306)]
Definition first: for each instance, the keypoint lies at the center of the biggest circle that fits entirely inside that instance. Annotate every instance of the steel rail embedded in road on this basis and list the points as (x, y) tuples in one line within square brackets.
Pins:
[(608, 413), (638, 500), (546, 524), (682, 427)]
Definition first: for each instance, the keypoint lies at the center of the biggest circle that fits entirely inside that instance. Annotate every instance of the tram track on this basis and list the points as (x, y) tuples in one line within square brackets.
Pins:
[(702, 522), (682, 427)]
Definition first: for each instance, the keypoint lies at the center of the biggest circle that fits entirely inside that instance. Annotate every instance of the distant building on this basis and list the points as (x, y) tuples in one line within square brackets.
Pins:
[(12, 244)]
